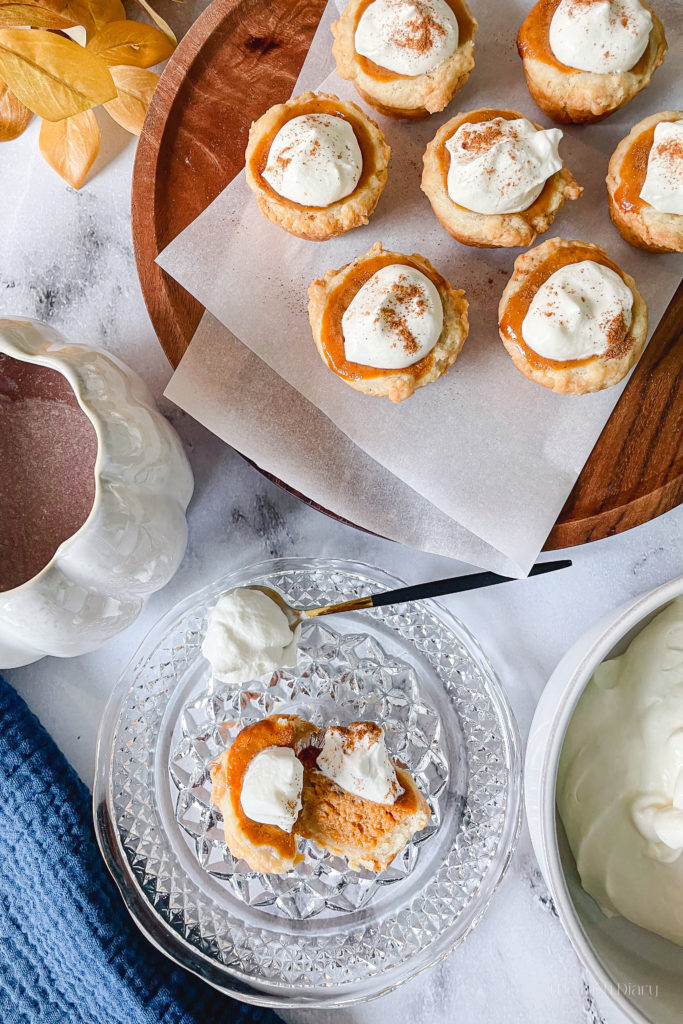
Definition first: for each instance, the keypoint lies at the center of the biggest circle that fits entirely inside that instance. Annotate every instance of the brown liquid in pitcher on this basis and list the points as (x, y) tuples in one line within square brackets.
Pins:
[(48, 451)]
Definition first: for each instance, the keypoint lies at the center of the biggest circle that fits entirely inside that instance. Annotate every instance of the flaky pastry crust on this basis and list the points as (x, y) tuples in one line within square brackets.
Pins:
[(645, 227), (589, 375), (313, 222), (492, 230), (402, 96), (399, 384), (570, 96)]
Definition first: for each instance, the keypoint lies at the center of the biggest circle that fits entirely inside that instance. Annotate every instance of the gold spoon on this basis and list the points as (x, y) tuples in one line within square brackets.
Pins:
[(416, 592)]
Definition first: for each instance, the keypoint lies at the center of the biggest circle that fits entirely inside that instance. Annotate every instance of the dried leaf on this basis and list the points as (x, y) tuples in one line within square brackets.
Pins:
[(104, 11), (12, 15), (71, 145), (53, 76), (135, 88), (92, 14), (158, 20), (132, 43), (14, 116)]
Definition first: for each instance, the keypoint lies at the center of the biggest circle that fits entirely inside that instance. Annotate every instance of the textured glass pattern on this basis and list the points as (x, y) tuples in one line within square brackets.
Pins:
[(339, 678), (320, 934)]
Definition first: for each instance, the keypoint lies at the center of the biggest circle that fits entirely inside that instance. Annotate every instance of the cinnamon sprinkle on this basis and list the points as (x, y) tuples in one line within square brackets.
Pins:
[(479, 140), (671, 153), (616, 332), (420, 33), (403, 294)]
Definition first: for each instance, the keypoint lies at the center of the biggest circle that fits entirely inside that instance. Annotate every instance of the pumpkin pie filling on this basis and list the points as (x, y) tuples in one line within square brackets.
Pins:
[(332, 336), (259, 157), (518, 305), (466, 29), (338, 819), (533, 40)]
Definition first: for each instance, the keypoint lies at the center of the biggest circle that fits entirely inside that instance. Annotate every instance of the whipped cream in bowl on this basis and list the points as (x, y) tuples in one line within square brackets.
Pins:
[(581, 310), (314, 160), (620, 779), (663, 185), (500, 166), (394, 320), (356, 759), (601, 36), (408, 37)]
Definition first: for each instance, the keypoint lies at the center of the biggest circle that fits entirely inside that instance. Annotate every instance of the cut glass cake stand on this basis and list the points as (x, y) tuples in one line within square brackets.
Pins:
[(320, 935)]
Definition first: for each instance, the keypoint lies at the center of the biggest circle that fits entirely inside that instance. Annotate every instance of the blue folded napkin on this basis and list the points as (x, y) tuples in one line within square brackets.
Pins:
[(69, 951)]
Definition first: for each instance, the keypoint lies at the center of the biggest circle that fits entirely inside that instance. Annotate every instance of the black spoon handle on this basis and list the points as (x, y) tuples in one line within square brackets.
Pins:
[(458, 584), (435, 588)]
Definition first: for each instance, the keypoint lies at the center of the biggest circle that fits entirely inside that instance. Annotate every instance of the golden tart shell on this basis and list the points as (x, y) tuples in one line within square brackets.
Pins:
[(330, 296), (315, 222), (568, 95), (638, 222), (403, 96), (577, 376), (490, 230)]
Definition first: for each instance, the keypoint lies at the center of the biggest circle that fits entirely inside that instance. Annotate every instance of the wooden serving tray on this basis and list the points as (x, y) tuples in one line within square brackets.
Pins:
[(239, 58)]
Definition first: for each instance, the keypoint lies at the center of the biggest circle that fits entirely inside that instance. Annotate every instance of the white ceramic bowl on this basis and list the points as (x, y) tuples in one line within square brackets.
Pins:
[(642, 972), (135, 535)]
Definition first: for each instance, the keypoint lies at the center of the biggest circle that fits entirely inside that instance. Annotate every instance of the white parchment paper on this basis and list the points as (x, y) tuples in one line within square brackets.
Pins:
[(476, 466)]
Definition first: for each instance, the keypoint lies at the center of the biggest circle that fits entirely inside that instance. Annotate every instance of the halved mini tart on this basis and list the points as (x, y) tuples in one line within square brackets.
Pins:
[(366, 833), (263, 847)]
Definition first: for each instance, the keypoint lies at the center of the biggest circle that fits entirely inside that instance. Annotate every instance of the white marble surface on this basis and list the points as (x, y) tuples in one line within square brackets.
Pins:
[(66, 258)]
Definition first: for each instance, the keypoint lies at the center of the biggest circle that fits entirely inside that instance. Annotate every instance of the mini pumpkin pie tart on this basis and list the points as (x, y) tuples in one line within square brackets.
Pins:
[(317, 165), (357, 802), (645, 183), (571, 319), (406, 58), (387, 323), (496, 179), (257, 785), (583, 59)]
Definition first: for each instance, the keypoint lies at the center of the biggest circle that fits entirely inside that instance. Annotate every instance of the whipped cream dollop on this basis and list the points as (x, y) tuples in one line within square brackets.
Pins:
[(620, 780), (356, 759), (663, 185), (314, 160), (600, 35), (500, 166), (247, 635), (408, 37), (394, 320), (580, 311), (272, 786)]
